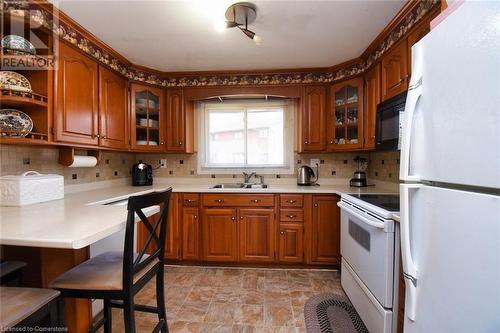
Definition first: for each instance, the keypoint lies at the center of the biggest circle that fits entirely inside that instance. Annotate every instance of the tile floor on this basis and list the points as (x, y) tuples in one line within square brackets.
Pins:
[(201, 299)]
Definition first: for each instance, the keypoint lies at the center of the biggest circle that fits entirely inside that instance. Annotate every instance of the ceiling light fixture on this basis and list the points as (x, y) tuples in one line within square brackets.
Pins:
[(239, 15)]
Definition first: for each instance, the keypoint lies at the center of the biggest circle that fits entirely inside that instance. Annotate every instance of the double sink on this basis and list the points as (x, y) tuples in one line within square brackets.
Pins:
[(238, 186)]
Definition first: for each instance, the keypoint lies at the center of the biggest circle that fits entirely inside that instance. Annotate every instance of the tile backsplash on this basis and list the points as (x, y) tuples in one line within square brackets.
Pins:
[(15, 160), (383, 166)]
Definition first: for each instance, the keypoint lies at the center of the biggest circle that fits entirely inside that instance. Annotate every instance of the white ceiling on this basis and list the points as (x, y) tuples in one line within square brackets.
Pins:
[(180, 35)]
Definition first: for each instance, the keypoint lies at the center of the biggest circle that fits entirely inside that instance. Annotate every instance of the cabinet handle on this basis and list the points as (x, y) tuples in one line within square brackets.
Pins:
[(161, 142), (315, 205), (241, 217), (189, 200), (195, 217), (306, 142), (97, 136), (219, 200), (233, 218), (255, 200), (180, 143), (291, 201), (282, 233), (104, 136), (292, 216), (331, 141)]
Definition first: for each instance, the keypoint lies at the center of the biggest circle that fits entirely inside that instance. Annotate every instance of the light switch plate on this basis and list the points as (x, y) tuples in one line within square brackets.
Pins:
[(163, 163), (314, 161)]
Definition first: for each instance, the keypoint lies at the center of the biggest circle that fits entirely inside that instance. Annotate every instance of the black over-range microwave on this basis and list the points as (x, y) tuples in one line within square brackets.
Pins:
[(388, 125)]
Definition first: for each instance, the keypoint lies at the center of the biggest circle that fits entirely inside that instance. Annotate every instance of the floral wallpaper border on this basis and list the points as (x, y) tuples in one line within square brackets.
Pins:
[(46, 19)]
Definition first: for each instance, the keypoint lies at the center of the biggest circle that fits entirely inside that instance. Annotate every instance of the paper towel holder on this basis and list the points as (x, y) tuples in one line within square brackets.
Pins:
[(67, 155)]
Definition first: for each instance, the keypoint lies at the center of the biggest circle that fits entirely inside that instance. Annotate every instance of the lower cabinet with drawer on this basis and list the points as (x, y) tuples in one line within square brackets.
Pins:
[(190, 233), (291, 242), (324, 234), (219, 234), (253, 228), (238, 227)]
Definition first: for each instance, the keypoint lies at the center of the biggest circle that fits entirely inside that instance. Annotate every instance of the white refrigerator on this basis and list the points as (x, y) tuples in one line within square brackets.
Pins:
[(450, 175)]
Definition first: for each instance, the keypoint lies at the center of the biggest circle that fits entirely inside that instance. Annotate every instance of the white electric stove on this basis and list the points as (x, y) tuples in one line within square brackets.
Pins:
[(369, 257)]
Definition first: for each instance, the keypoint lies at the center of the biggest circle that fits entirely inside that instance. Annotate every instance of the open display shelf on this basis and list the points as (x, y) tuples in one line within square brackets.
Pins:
[(37, 103)]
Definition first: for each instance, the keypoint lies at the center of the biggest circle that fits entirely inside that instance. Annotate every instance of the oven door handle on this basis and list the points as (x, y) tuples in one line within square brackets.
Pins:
[(364, 218)]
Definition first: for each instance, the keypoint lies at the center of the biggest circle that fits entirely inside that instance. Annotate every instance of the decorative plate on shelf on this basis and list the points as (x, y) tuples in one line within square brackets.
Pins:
[(18, 43), (14, 81), (15, 123)]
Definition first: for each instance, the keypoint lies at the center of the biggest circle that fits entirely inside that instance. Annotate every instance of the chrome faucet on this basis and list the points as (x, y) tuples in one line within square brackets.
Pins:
[(247, 176)]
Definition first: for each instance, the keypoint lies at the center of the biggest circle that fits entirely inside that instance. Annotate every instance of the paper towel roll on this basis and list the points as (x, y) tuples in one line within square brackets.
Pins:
[(83, 162)]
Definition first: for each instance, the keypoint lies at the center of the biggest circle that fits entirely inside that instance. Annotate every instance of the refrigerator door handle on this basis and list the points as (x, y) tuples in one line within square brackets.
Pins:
[(409, 268), (412, 99)]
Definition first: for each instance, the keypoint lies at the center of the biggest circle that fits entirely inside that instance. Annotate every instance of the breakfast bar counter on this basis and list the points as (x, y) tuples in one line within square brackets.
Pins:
[(54, 236), (83, 217)]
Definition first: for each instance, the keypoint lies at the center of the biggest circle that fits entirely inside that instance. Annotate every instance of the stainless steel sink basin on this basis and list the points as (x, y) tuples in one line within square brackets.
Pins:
[(256, 186), (239, 185), (229, 185)]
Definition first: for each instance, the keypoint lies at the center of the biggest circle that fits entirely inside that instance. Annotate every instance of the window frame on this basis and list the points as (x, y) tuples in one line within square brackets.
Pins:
[(203, 111)]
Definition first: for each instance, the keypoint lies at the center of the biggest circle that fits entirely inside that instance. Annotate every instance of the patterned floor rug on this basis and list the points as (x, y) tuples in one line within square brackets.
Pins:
[(332, 313)]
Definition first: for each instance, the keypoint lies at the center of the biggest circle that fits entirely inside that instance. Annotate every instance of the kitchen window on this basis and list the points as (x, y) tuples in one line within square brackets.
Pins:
[(239, 135)]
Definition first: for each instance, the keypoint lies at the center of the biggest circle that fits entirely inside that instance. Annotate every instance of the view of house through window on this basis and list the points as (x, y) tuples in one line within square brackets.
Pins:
[(245, 134)]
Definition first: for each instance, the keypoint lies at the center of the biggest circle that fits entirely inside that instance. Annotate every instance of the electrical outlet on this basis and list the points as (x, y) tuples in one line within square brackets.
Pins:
[(163, 163), (314, 161)]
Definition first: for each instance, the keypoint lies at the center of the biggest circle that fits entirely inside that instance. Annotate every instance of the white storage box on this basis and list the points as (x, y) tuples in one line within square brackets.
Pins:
[(29, 188)]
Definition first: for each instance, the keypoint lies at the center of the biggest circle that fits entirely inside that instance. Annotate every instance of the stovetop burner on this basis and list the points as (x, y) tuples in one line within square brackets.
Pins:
[(388, 202)]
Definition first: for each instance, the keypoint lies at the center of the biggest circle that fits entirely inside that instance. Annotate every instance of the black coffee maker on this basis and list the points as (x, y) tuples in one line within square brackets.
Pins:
[(142, 174)]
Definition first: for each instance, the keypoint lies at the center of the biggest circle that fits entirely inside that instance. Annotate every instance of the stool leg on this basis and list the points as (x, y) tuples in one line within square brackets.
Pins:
[(54, 313), (129, 314), (60, 312), (160, 299), (107, 317)]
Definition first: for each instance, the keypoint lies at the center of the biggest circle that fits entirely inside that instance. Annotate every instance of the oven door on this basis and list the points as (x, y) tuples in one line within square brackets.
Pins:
[(367, 244)]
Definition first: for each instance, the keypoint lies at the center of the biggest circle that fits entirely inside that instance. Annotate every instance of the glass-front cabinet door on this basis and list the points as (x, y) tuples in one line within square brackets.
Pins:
[(147, 118), (345, 125)]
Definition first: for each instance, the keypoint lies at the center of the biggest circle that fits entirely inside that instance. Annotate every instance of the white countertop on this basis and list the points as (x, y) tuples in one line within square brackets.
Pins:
[(74, 222)]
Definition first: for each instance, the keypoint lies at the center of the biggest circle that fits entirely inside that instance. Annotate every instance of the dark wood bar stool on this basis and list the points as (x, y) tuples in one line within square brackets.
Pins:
[(26, 307), (116, 277)]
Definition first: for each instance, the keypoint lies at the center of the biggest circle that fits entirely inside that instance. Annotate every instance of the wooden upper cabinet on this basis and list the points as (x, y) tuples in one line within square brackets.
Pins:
[(176, 122), (395, 71), (313, 118), (257, 234), (291, 242), (113, 109), (190, 233), (220, 234), (372, 98), (147, 118), (325, 230), (345, 120), (76, 109)]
